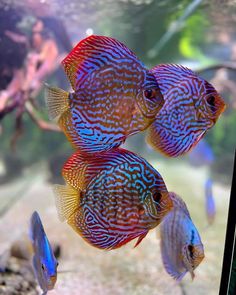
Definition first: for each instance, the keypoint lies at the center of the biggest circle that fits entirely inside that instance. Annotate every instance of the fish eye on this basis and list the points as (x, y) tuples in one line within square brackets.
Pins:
[(211, 100), (150, 93), (157, 197), (190, 249), (43, 267)]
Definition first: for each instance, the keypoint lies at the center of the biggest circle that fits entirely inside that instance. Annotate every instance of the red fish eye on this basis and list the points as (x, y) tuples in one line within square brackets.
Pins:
[(211, 100), (157, 197), (150, 93)]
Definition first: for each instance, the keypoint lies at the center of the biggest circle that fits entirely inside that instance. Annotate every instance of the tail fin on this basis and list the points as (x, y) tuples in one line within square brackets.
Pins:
[(67, 201), (57, 101)]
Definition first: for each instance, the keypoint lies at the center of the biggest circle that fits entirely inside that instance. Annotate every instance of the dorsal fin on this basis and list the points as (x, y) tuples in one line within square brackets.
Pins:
[(80, 168), (169, 75), (179, 203), (92, 53)]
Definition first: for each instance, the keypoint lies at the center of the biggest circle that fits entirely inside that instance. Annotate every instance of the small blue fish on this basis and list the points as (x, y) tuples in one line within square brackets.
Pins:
[(202, 154), (209, 202), (44, 261)]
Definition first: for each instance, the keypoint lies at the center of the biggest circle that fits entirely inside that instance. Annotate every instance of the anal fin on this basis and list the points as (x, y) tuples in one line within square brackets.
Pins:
[(57, 101), (140, 239)]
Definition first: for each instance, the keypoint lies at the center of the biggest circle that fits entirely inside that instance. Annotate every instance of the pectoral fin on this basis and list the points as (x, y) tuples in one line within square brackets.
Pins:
[(67, 201), (57, 101)]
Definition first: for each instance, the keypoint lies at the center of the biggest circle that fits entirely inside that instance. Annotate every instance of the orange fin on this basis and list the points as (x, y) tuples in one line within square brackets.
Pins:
[(65, 123), (140, 239)]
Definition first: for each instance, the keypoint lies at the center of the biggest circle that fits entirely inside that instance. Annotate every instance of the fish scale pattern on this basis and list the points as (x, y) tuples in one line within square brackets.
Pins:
[(119, 200), (108, 103), (187, 113)]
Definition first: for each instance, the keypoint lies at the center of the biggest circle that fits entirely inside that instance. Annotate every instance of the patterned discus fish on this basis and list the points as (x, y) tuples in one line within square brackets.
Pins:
[(181, 247), (112, 198), (114, 95), (192, 106), (44, 261), (210, 202)]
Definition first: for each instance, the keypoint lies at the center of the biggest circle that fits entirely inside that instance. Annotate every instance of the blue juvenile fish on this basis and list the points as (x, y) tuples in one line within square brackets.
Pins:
[(209, 202), (181, 247), (202, 154), (44, 261)]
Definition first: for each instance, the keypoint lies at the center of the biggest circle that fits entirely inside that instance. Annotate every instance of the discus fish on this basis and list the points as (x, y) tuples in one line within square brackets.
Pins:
[(192, 106), (181, 247), (202, 154), (114, 95), (44, 261), (209, 201), (111, 198)]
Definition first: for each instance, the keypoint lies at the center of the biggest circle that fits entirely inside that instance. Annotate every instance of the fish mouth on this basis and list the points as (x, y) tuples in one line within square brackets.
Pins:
[(51, 282)]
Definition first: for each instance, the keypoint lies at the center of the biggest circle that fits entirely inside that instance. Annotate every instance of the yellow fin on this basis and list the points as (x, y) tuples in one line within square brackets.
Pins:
[(57, 101), (67, 201)]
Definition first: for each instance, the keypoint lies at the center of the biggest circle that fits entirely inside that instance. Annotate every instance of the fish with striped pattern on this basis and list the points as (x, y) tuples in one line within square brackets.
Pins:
[(192, 106), (181, 247), (111, 198), (114, 95)]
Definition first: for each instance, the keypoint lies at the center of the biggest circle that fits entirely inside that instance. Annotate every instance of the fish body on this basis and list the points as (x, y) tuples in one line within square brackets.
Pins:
[(114, 95), (192, 106), (111, 198), (181, 247), (44, 261), (209, 202)]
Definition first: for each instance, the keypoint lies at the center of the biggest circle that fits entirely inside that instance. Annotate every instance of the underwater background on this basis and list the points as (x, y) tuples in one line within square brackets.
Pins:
[(198, 34)]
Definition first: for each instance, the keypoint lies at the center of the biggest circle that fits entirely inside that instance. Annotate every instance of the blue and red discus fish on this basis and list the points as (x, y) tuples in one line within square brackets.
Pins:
[(209, 202), (181, 247), (111, 198), (192, 106), (44, 261), (114, 95)]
